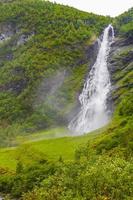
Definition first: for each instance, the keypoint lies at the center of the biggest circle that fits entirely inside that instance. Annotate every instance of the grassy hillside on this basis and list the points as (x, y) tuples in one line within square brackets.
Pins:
[(43, 62), (47, 148)]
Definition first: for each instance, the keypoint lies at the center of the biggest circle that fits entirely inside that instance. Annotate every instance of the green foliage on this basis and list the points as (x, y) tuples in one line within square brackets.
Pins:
[(10, 107), (101, 169), (127, 30), (56, 38), (124, 24), (92, 178)]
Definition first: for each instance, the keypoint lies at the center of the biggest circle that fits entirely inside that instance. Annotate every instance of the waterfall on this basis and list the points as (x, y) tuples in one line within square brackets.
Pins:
[(94, 112)]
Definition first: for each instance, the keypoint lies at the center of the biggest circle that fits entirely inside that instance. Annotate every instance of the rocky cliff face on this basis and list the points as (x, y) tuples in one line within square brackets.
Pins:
[(121, 70)]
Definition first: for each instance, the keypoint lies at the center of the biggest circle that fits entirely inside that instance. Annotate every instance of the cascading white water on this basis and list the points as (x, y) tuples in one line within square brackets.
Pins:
[(93, 99)]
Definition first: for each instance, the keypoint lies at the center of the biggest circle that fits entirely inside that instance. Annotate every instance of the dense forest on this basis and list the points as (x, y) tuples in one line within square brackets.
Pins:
[(46, 50)]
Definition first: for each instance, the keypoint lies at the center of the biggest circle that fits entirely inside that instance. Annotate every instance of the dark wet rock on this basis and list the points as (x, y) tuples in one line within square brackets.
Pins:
[(110, 32), (92, 51), (24, 38), (17, 86), (118, 58), (7, 31), (120, 63), (9, 56), (14, 86), (11, 37), (18, 71), (2, 37)]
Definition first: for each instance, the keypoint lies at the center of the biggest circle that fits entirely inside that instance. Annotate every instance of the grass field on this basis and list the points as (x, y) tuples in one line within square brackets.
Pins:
[(44, 144)]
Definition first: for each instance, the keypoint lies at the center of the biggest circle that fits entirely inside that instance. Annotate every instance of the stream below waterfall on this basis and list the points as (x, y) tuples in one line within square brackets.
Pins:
[(94, 112)]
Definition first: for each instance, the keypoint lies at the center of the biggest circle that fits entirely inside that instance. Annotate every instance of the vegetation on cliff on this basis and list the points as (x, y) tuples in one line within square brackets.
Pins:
[(124, 24), (40, 40)]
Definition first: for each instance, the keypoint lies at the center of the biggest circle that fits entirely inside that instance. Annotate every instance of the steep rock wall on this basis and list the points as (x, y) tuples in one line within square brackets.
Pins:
[(121, 69)]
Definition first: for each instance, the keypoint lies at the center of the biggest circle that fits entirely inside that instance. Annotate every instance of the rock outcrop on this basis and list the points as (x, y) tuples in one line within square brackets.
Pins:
[(121, 67)]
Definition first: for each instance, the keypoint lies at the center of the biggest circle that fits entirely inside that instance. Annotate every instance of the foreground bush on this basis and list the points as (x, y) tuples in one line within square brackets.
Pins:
[(106, 178)]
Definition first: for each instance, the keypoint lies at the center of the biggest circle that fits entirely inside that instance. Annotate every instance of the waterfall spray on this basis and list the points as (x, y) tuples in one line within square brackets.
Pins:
[(93, 99)]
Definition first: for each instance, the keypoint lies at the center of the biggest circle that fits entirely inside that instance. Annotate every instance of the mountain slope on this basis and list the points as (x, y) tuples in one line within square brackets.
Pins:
[(44, 60), (99, 170)]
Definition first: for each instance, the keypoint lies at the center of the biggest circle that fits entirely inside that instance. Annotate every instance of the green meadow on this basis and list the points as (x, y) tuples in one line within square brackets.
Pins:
[(53, 144)]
